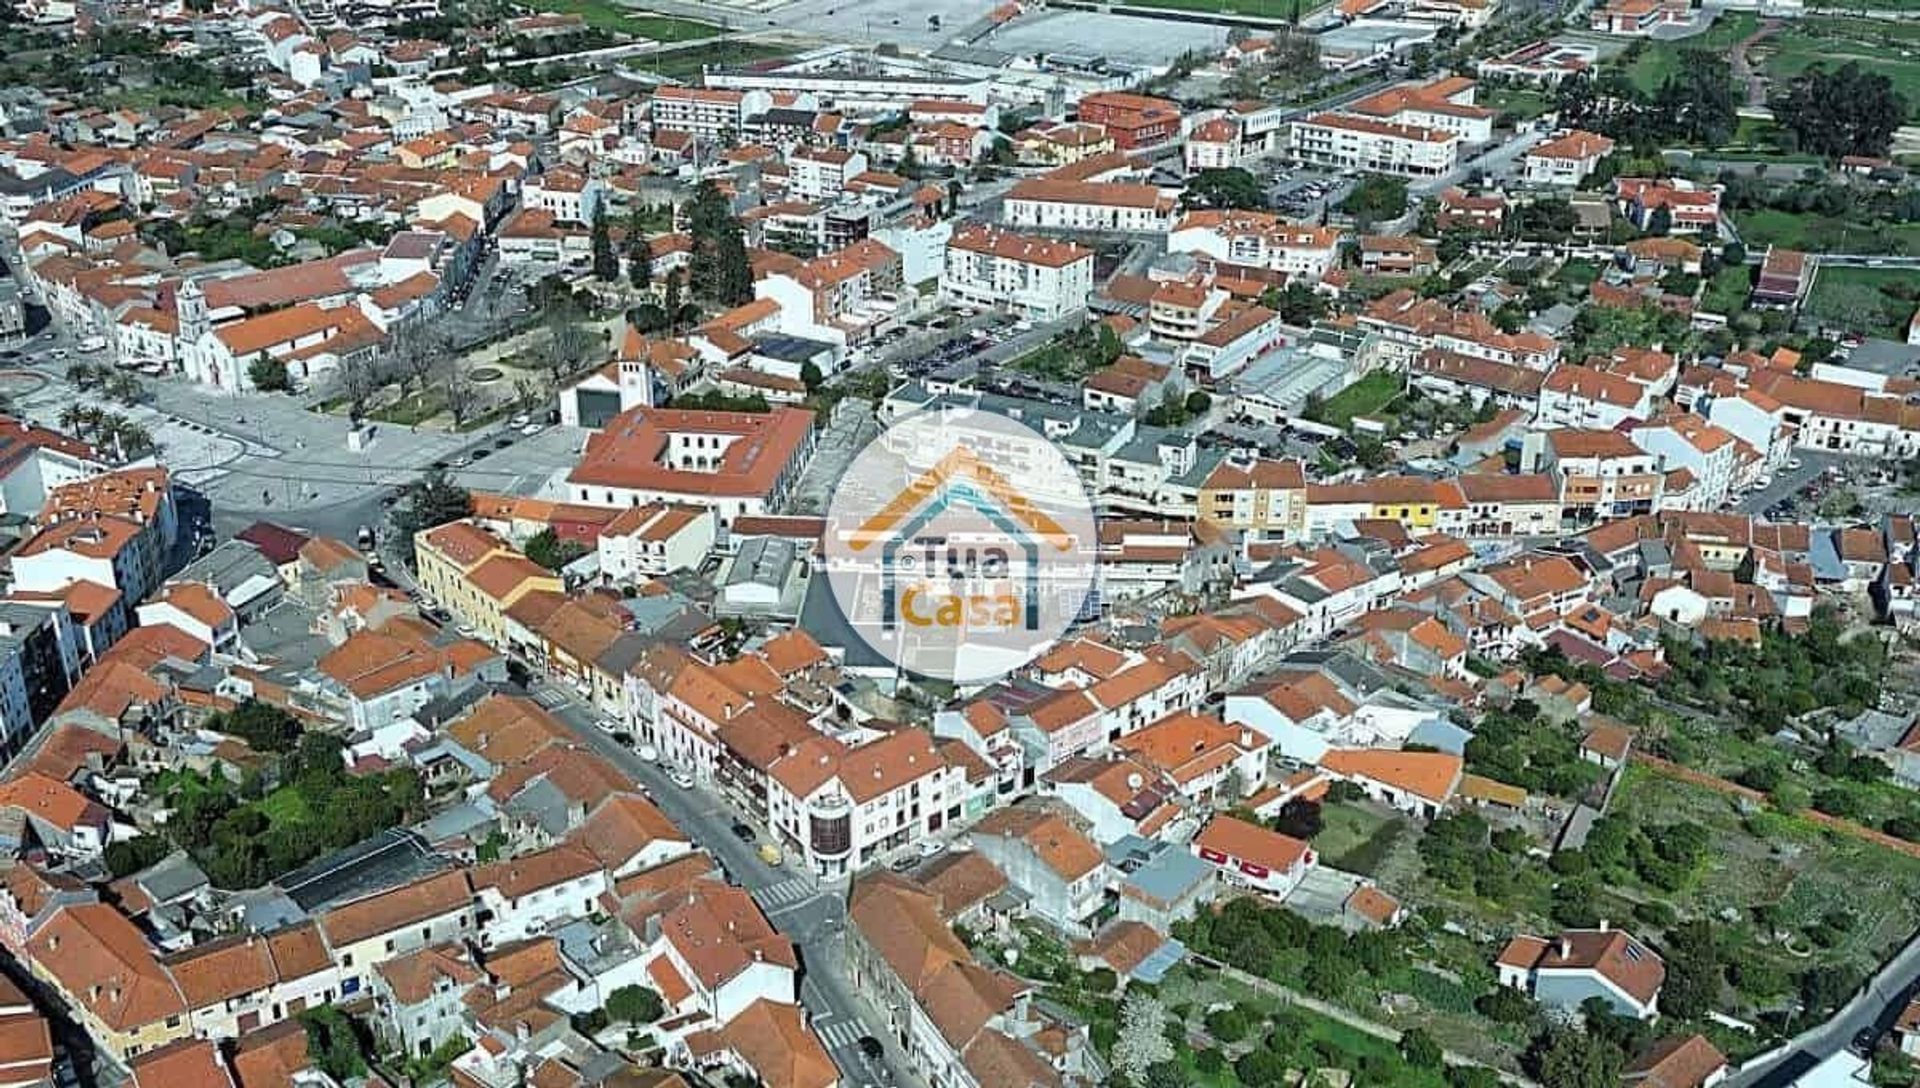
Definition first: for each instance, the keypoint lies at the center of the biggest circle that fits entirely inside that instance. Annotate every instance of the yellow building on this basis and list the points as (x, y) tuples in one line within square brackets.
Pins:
[(112, 984), (476, 577)]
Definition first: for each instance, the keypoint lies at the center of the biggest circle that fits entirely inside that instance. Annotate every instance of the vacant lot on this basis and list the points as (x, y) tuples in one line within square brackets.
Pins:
[(1357, 836), (1827, 899), (1364, 397), (621, 20), (1768, 226), (691, 61), (1650, 66), (1879, 302)]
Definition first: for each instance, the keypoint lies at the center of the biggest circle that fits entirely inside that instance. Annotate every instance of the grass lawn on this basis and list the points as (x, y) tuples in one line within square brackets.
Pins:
[(689, 62), (1890, 49), (1768, 226), (1658, 60), (285, 805), (1520, 101), (416, 408), (1894, 312), (1727, 291), (1356, 837), (1364, 397), (607, 15)]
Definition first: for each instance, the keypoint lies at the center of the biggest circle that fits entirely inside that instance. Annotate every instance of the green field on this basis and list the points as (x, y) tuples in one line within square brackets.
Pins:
[(1727, 291), (1522, 102), (1890, 49), (609, 16), (1364, 397), (1835, 289), (1763, 227), (1356, 837), (689, 62), (1658, 60)]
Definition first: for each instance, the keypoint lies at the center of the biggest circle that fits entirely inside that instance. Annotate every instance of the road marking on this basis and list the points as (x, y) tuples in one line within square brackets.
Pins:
[(789, 892), (839, 1036)]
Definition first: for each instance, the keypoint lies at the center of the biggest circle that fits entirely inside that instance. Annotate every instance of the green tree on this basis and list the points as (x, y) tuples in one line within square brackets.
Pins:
[(265, 727), (1232, 187), (719, 268), (429, 501), (810, 375), (1570, 1058), (606, 263), (634, 1005), (1376, 198), (639, 252), (1420, 1050), (333, 1044), (1845, 111), (547, 549), (125, 856), (269, 375)]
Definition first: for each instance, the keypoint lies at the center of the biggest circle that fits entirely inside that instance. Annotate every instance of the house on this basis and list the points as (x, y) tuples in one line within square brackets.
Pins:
[(1565, 971), (101, 968), (1680, 1061), (420, 997), (1038, 278), (1049, 203), (1248, 855), (1785, 277), (1044, 855), (1606, 743), (26, 1056), (737, 464), (1133, 120), (528, 895), (1418, 783), (1567, 159)]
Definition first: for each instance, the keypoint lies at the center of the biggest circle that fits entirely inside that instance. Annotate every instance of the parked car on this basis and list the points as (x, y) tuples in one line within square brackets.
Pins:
[(649, 753), (681, 779), (742, 831)]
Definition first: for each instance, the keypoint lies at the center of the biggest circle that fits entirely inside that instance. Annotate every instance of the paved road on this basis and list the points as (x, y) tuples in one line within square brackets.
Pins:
[(811, 914), (1868, 1016), (1788, 481)]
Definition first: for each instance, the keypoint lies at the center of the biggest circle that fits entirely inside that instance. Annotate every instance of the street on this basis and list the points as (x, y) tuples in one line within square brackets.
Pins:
[(1788, 481), (811, 915)]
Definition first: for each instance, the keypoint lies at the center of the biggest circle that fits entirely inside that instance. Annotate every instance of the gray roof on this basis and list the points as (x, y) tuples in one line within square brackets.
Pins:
[(544, 803), (763, 560), (1442, 734), (384, 860), (172, 877)]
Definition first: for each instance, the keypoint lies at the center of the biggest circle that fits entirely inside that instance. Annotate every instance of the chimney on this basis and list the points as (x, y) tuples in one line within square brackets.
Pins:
[(1566, 947), (1603, 925), (758, 955)]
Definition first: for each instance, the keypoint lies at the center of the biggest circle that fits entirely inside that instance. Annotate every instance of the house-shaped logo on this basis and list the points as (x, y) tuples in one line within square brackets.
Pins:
[(960, 478), (959, 545)]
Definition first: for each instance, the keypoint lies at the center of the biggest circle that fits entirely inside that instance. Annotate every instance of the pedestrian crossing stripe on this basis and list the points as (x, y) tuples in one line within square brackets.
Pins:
[(787, 891), (838, 1036)]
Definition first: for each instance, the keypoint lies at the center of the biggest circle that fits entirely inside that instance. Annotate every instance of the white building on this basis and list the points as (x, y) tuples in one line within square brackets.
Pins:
[(1038, 278), (644, 542), (1567, 159), (1350, 142), (1685, 440), (1083, 205), (1257, 240)]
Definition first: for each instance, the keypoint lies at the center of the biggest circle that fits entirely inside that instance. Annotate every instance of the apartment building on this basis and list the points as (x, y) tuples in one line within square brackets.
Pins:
[(1088, 205), (1344, 141), (708, 113), (1038, 278), (1583, 397), (1446, 104), (1257, 240), (1682, 440), (1133, 120), (1601, 473), (841, 809)]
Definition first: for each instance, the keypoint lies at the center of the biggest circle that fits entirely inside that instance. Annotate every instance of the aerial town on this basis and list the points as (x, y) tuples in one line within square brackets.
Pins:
[(441, 444)]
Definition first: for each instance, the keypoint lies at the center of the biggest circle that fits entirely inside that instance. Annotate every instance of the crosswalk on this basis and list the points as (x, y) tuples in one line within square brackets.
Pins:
[(551, 698), (788, 891), (838, 1035)]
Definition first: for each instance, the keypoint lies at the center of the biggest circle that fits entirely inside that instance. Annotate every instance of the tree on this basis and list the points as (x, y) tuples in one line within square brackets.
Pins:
[(1198, 402), (265, 727), (1376, 198), (333, 1044), (639, 252), (719, 268), (1570, 1058), (430, 501), (269, 375), (634, 1005), (412, 352), (1229, 188), (568, 344), (548, 550), (810, 375), (606, 263), (671, 303), (1847, 111), (457, 388), (1420, 1050), (1142, 1042), (124, 856), (1299, 818), (357, 380), (1229, 1025)]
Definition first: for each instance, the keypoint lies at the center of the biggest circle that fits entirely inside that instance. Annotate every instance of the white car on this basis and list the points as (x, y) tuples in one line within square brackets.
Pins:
[(1795, 463), (681, 779), (519, 420), (649, 753), (931, 847), (532, 429), (1763, 481)]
